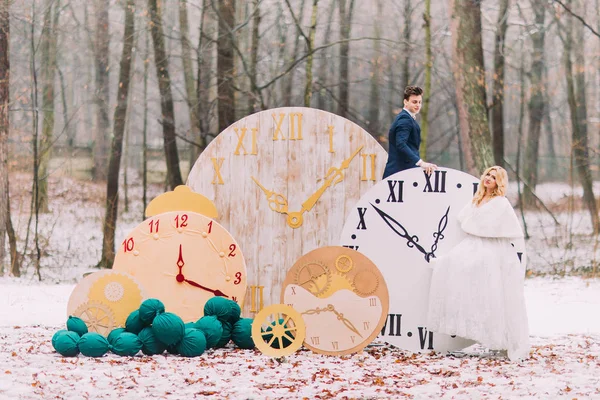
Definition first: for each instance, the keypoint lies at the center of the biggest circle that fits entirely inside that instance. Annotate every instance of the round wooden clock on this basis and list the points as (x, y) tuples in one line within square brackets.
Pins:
[(401, 224), (342, 297), (183, 259), (283, 181)]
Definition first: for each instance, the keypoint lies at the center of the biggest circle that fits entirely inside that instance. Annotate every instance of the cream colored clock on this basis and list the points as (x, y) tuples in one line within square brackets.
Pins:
[(341, 296), (183, 259), (284, 181)]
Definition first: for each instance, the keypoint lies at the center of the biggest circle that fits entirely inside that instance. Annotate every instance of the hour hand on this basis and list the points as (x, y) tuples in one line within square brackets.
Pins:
[(277, 202), (216, 292), (411, 240)]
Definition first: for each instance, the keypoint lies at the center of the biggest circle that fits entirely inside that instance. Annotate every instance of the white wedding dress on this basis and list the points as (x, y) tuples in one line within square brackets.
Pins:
[(477, 288)]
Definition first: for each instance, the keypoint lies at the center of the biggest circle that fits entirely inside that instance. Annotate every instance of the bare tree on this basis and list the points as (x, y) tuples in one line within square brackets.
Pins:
[(427, 88), (345, 27), (374, 104), (102, 99), (4, 123), (225, 64)]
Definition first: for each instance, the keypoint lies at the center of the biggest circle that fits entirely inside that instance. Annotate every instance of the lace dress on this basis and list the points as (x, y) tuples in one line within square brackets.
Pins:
[(477, 288)]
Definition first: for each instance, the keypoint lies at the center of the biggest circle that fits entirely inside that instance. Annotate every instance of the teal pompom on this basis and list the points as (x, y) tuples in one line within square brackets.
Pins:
[(93, 344), (56, 335), (224, 309), (168, 328), (193, 343), (127, 344), (66, 344), (115, 334), (172, 349), (212, 329), (149, 309), (226, 336), (76, 324), (150, 343), (242, 333), (276, 343), (190, 325), (133, 323)]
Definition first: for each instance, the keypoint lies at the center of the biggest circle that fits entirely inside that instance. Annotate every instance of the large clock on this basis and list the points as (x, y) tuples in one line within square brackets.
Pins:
[(401, 224), (283, 181), (183, 258)]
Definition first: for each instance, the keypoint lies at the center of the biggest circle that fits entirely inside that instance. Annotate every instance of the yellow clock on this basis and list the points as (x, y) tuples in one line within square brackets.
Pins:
[(183, 259), (342, 297), (284, 181)]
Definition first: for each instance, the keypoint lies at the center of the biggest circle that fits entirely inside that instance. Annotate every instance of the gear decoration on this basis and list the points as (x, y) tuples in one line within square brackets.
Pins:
[(365, 283), (97, 316), (120, 292), (284, 323), (314, 276), (344, 264), (338, 281)]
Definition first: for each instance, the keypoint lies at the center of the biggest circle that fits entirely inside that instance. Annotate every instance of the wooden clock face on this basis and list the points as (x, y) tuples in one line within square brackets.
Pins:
[(183, 259), (283, 181), (342, 297), (399, 224)]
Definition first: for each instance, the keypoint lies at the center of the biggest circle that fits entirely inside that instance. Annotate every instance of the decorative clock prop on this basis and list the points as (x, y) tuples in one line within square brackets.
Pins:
[(401, 224), (283, 181), (342, 297), (278, 330), (183, 259)]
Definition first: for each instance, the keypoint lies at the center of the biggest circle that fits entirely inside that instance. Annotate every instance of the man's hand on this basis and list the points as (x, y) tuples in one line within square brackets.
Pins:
[(427, 167)]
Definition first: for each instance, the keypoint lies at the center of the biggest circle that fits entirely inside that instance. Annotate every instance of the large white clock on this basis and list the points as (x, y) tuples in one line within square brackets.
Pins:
[(283, 181), (401, 224)]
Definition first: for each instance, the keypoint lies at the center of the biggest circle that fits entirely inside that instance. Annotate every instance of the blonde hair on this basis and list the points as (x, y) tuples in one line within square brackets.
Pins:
[(501, 183)]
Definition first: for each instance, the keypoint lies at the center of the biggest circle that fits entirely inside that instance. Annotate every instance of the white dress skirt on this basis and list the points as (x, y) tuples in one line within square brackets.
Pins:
[(477, 288)]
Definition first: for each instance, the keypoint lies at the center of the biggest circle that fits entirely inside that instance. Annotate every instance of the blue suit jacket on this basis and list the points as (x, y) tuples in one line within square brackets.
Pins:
[(404, 142)]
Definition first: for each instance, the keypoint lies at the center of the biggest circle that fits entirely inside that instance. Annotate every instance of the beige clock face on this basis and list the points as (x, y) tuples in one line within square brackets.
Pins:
[(284, 181), (184, 259), (341, 296)]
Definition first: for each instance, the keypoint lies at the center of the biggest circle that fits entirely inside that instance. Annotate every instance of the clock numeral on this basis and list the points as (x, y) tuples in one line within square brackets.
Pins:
[(154, 225), (361, 214), (373, 302), (232, 248), (314, 340), (351, 247), (394, 322), (217, 164), (128, 245), (238, 278), (210, 226), (234, 298), (520, 255), (439, 182), (241, 133), (475, 187), (256, 298), (330, 131), (396, 191), (335, 345), (181, 222), (290, 305), (353, 338), (366, 325), (424, 337), (295, 126), (293, 290), (364, 176)]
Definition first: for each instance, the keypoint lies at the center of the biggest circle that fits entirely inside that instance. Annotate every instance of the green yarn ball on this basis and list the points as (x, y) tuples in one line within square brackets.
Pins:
[(224, 309), (93, 344), (114, 334), (212, 329), (168, 328), (172, 349), (242, 333), (149, 309), (134, 324), (56, 335), (225, 336), (76, 324), (150, 343), (190, 325), (193, 343), (66, 344), (276, 343), (127, 344)]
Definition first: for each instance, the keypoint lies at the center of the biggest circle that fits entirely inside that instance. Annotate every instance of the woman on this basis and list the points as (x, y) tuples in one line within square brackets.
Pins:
[(477, 288)]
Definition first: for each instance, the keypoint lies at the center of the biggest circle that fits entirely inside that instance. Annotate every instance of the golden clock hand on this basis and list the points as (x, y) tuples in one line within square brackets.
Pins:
[(345, 320), (277, 202)]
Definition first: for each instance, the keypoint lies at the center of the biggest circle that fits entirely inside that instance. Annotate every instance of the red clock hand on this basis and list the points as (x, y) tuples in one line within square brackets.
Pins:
[(215, 292), (180, 263)]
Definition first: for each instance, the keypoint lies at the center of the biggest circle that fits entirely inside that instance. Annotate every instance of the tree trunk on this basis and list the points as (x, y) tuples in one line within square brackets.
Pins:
[(120, 117), (145, 131), (469, 75), (345, 27), (309, 60), (225, 65), (536, 105), (288, 87), (498, 84), (254, 47), (4, 124), (406, 46), (323, 96), (166, 99), (427, 88), (374, 104), (200, 94), (48, 72), (578, 126), (102, 99)]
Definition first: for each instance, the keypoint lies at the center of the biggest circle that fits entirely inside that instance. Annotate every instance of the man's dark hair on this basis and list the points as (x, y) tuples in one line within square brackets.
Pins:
[(412, 91)]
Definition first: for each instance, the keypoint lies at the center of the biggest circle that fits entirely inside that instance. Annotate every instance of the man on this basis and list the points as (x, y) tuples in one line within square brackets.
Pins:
[(405, 136)]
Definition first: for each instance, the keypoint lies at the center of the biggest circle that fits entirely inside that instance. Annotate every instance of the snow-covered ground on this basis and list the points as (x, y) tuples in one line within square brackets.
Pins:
[(564, 319)]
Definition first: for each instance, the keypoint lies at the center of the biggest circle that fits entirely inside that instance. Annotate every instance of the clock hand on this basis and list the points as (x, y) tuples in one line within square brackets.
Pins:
[(180, 263), (411, 240), (277, 202), (216, 292), (339, 316), (439, 235)]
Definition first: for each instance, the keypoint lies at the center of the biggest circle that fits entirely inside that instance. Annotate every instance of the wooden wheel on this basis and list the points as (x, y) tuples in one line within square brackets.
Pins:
[(278, 330)]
